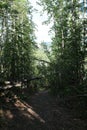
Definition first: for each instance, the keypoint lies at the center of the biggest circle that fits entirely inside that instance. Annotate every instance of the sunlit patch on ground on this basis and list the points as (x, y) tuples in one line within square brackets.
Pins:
[(34, 114), (8, 114), (1, 113), (28, 111)]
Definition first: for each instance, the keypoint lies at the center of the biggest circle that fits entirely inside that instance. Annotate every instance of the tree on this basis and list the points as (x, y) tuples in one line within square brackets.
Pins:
[(68, 55), (17, 39)]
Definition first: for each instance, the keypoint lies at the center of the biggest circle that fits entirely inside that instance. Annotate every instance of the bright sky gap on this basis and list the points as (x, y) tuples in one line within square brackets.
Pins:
[(42, 31)]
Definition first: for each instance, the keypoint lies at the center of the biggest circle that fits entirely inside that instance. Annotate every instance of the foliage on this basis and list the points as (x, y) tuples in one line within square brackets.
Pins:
[(68, 47), (16, 39)]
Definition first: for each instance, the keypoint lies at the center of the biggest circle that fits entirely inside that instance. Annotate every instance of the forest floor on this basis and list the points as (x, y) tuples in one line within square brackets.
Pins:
[(40, 111)]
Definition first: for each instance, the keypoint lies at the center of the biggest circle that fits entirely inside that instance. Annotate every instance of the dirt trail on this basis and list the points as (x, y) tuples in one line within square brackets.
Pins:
[(40, 112)]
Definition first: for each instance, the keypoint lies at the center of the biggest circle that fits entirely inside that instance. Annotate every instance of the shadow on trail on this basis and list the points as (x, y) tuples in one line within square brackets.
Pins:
[(19, 115), (39, 112)]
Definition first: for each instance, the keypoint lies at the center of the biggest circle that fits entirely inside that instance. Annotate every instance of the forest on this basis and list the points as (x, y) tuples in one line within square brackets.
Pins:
[(42, 86)]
